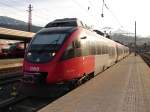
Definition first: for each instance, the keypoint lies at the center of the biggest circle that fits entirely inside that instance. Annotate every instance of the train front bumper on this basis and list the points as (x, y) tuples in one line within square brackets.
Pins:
[(35, 77)]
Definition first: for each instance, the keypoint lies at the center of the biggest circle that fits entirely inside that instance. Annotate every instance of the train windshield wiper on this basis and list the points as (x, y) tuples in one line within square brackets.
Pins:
[(48, 44), (56, 40), (55, 43), (44, 47)]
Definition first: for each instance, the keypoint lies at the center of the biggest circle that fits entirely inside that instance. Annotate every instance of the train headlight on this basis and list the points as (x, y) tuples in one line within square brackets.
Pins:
[(52, 54), (29, 54)]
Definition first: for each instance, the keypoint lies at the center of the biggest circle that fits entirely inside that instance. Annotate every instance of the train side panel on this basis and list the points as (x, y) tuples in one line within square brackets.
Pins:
[(100, 63), (74, 68), (112, 51), (82, 53)]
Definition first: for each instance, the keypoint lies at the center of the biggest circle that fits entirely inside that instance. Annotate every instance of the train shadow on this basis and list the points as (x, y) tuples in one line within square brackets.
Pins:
[(43, 91)]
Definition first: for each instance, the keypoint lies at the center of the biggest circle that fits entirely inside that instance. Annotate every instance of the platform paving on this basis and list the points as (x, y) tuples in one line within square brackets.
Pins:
[(124, 87)]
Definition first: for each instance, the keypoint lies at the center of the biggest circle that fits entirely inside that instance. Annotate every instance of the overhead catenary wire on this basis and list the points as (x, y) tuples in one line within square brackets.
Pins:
[(38, 16), (114, 16), (44, 15), (86, 11), (18, 10), (93, 7), (13, 9), (102, 14), (43, 9), (111, 12), (96, 12)]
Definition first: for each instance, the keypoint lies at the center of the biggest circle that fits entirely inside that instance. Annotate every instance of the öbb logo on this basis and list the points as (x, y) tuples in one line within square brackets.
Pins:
[(34, 69)]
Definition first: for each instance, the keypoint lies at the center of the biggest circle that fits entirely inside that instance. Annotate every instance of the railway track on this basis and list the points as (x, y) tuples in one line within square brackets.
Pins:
[(146, 58), (26, 104), (9, 84), (32, 100), (10, 75), (10, 79), (15, 96)]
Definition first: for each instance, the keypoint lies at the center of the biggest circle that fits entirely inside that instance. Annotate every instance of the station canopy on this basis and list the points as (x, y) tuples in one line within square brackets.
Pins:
[(12, 34)]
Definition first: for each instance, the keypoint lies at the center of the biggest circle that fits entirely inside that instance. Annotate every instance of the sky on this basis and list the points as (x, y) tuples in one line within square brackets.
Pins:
[(118, 14)]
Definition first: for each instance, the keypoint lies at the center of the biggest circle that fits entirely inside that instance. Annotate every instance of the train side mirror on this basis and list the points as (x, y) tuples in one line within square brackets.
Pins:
[(84, 37)]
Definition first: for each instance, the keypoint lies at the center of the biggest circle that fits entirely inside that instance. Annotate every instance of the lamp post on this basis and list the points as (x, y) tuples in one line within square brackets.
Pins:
[(135, 41)]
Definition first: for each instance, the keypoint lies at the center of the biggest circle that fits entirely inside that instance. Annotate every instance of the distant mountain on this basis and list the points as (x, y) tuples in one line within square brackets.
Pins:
[(12, 23), (126, 39), (148, 37), (123, 32)]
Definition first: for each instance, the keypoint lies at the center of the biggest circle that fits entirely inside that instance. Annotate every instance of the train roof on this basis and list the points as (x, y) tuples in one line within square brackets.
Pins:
[(57, 30), (65, 22), (71, 29), (99, 32)]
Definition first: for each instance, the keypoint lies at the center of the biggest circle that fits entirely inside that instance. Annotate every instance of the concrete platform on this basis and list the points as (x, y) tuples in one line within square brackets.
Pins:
[(10, 63), (125, 87)]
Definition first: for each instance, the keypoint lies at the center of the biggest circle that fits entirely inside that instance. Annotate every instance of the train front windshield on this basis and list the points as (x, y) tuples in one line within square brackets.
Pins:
[(44, 46)]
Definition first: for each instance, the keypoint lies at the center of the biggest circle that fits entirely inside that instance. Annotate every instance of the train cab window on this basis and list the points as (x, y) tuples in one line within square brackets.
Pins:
[(77, 44), (73, 50), (69, 52), (70, 46), (77, 48)]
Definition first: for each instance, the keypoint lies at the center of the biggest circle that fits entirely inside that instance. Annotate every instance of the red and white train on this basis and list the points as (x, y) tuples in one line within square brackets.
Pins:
[(66, 54)]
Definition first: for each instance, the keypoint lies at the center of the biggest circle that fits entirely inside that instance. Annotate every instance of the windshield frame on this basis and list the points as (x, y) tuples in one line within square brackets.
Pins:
[(50, 51), (56, 44), (49, 37), (55, 30)]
